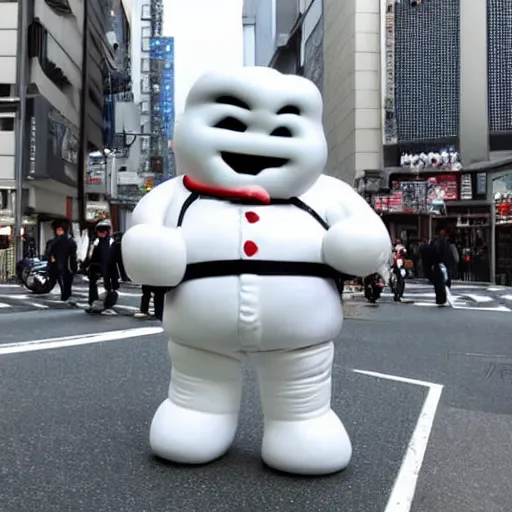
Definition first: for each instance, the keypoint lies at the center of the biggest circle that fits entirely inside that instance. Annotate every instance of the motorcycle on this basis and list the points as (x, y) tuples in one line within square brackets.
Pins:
[(373, 286), (397, 278), (35, 276)]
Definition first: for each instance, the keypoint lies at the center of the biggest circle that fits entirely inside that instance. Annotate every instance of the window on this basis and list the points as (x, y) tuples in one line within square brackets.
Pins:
[(6, 124), (144, 107), (146, 38), (5, 90), (146, 12), (144, 65), (144, 85)]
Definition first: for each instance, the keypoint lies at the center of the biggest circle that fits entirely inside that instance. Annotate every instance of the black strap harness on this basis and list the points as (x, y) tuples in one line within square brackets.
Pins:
[(220, 268)]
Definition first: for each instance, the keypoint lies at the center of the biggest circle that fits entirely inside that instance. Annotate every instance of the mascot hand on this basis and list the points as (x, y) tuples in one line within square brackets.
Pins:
[(357, 248), (154, 255)]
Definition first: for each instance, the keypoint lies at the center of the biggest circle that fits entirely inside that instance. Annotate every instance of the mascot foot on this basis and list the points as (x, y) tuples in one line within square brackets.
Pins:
[(317, 446), (191, 437)]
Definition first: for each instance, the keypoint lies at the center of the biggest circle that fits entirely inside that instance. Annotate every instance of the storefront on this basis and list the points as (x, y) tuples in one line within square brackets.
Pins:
[(502, 217), (415, 203)]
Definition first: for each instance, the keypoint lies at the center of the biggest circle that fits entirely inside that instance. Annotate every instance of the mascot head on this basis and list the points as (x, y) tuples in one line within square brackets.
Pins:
[(252, 127)]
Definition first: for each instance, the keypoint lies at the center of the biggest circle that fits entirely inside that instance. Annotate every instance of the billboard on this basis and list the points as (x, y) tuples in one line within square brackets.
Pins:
[(162, 50)]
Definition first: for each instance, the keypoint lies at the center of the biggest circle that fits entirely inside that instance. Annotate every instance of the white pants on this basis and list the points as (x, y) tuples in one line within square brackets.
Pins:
[(198, 421)]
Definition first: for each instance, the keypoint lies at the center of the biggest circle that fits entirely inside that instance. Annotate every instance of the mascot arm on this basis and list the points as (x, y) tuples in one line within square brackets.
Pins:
[(154, 254), (357, 243)]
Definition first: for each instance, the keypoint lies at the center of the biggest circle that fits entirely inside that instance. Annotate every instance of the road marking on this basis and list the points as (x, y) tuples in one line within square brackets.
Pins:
[(479, 298), (82, 339), (38, 305), (128, 308), (507, 297), (502, 309), (4, 306), (404, 488)]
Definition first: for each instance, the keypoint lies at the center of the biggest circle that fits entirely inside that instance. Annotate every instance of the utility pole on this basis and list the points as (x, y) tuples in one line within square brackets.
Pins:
[(21, 123), (84, 100)]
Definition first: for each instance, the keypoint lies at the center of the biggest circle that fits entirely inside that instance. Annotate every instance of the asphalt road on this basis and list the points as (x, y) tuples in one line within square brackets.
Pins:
[(74, 421)]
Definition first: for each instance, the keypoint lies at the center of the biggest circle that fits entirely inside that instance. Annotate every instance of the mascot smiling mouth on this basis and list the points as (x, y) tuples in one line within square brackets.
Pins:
[(251, 164)]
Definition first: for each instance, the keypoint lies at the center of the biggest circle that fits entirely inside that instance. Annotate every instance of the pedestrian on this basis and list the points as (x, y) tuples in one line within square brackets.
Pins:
[(62, 258), (158, 302), (103, 262), (440, 261), (144, 302)]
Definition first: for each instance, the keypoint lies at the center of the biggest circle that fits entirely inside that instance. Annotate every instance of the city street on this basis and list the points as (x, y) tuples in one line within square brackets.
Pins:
[(423, 391), (16, 298)]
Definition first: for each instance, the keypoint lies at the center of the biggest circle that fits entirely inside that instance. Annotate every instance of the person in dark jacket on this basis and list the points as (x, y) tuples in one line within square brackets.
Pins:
[(441, 260), (62, 259), (103, 262)]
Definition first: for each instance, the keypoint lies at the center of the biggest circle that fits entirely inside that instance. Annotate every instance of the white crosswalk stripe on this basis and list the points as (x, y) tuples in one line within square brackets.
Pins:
[(473, 297)]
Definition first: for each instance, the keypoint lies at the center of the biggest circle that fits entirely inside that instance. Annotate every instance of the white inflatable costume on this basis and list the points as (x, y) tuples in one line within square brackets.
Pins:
[(251, 237)]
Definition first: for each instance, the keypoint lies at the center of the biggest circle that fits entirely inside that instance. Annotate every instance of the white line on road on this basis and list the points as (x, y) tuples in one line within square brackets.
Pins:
[(83, 339), (404, 488), (4, 306), (502, 309), (128, 308), (39, 305), (479, 298)]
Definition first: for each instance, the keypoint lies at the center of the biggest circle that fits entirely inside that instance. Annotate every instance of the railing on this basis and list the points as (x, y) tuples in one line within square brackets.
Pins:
[(7, 265)]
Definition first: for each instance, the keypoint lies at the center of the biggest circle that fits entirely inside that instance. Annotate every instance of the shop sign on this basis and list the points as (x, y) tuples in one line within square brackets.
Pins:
[(502, 194), (503, 207), (418, 196), (447, 160), (32, 168)]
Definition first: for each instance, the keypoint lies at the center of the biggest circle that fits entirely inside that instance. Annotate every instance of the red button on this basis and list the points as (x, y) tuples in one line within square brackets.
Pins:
[(250, 248), (252, 217)]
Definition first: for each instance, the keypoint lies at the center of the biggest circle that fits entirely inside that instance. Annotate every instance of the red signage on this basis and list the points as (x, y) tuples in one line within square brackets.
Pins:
[(94, 181)]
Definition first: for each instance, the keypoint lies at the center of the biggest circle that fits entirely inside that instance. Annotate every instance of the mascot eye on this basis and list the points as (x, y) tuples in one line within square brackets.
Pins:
[(281, 132), (289, 109), (232, 124), (231, 100)]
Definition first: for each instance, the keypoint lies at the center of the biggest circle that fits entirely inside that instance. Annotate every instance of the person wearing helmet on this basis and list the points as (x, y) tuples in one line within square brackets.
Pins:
[(102, 262)]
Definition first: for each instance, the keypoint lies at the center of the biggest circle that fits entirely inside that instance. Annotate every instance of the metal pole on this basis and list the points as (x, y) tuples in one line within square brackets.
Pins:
[(493, 248), (84, 97), (20, 125)]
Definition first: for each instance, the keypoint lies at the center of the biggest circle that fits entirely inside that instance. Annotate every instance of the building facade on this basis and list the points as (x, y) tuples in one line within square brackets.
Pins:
[(53, 65), (416, 110)]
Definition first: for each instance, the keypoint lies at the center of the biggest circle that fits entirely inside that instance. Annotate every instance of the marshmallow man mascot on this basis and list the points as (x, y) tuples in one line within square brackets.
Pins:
[(251, 239)]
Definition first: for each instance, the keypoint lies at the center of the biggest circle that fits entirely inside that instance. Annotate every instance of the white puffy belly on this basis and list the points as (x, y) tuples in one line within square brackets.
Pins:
[(253, 313)]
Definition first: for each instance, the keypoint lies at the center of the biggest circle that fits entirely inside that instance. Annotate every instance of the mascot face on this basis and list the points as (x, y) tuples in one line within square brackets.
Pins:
[(252, 126)]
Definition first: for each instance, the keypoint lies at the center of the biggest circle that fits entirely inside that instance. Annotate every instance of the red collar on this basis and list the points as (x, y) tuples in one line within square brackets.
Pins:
[(252, 193)]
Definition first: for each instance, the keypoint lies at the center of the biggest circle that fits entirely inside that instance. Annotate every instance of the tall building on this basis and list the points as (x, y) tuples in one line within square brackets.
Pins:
[(162, 106), (53, 64), (417, 106)]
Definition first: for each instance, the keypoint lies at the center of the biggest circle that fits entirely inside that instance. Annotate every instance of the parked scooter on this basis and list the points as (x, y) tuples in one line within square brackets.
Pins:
[(373, 286), (34, 275)]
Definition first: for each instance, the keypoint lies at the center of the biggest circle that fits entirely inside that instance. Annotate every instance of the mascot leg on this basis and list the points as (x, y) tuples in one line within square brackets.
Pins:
[(302, 434), (197, 423)]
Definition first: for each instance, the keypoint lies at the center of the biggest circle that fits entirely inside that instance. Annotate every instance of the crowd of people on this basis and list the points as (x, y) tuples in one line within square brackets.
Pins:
[(103, 262), (435, 260)]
